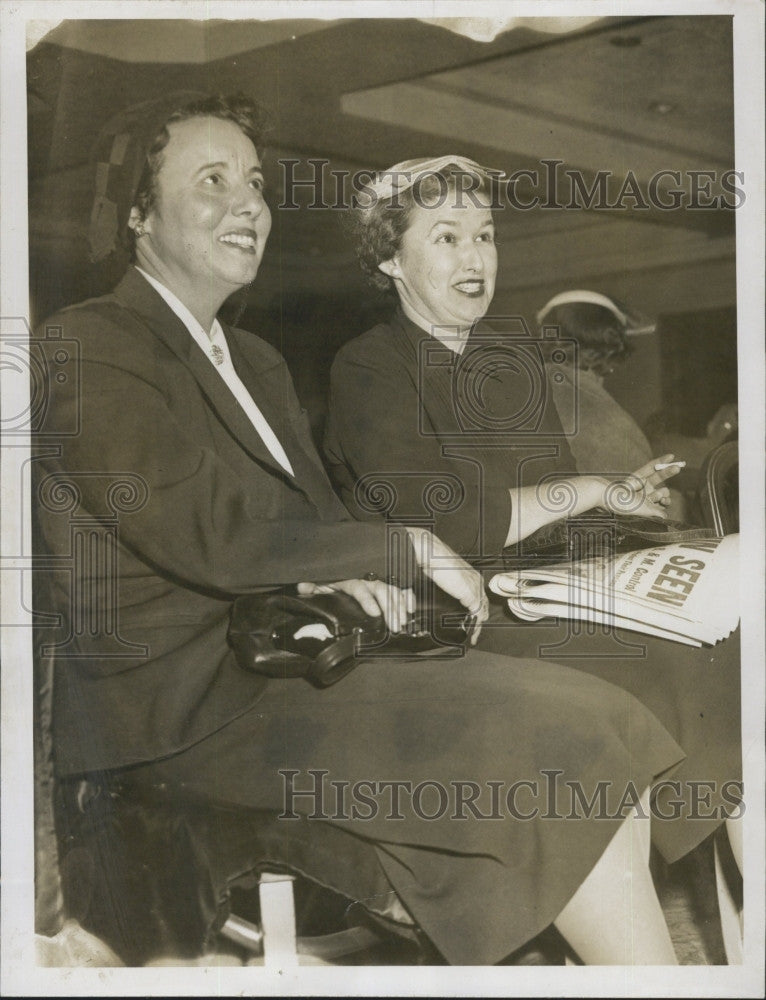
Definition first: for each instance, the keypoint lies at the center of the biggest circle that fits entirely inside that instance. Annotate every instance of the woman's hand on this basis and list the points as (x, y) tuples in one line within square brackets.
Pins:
[(375, 596), (452, 574), (641, 492), (439, 563)]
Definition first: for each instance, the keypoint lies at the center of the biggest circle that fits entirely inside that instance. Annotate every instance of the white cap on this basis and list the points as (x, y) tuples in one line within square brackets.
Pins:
[(633, 323), (406, 174)]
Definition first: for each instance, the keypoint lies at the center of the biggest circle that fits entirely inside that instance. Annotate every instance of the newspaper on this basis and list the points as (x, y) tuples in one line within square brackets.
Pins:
[(687, 591)]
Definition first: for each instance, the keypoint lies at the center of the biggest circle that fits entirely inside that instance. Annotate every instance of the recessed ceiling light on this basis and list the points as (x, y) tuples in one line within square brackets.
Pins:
[(661, 107)]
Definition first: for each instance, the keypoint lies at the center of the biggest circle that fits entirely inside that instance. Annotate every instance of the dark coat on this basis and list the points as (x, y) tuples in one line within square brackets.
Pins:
[(426, 433), (145, 572)]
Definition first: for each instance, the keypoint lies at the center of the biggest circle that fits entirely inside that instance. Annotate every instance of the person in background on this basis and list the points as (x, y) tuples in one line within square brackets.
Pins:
[(606, 439)]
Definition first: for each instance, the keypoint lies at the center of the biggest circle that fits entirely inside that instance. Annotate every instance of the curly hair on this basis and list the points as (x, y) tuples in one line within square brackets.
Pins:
[(601, 338), (377, 230), (240, 109)]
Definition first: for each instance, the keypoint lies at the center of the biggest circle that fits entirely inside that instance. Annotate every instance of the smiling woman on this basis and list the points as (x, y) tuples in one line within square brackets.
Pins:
[(427, 236), (433, 417), (201, 222), (445, 268), (442, 262)]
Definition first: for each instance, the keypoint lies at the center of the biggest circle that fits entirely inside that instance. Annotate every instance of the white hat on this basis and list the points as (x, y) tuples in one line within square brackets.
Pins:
[(402, 176), (634, 323)]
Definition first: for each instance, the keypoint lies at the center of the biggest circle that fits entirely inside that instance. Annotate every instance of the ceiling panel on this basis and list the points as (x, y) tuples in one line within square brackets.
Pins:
[(156, 40), (660, 98), (682, 63)]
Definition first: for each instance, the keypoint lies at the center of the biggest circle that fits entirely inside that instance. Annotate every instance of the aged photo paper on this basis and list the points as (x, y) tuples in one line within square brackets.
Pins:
[(556, 161)]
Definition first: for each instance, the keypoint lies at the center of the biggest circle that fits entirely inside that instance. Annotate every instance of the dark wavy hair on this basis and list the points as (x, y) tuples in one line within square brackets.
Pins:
[(240, 109), (377, 231), (601, 338)]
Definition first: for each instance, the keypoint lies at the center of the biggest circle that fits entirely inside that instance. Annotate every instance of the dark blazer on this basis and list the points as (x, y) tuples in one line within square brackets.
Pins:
[(156, 503), (420, 432)]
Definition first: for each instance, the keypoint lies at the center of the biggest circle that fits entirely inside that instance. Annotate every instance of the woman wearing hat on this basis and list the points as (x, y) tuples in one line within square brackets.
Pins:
[(607, 439), (438, 416), (227, 496)]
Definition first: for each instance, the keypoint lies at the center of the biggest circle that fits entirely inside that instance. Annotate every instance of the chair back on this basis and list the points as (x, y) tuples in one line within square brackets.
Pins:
[(718, 491)]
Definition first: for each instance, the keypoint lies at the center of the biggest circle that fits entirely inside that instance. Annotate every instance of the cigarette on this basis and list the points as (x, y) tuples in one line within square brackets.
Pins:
[(668, 465)]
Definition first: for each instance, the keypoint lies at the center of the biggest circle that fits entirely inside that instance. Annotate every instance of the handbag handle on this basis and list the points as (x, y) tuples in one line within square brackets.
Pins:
[(275, 634), (251, 636), (261, 625)]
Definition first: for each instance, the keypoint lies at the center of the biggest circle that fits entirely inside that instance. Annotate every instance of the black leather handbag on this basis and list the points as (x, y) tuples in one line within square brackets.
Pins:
[(322, 637)]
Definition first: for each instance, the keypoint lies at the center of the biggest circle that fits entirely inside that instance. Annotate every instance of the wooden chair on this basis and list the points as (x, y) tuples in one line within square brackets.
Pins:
[(718, 490)]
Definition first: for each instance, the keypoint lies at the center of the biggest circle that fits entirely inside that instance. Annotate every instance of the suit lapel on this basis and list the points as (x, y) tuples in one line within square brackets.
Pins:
[(310, 476), (435, 382), (138, 295)]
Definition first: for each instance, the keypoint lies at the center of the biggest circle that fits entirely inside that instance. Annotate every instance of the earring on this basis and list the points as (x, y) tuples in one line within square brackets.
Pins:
[(139, 230)]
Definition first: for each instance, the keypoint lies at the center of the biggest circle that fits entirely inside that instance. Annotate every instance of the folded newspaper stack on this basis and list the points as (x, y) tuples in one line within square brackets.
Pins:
[(687, 591)]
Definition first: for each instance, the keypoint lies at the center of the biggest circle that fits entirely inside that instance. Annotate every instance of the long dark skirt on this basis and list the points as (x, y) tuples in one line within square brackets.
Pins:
[(693, 691), (526, 742)]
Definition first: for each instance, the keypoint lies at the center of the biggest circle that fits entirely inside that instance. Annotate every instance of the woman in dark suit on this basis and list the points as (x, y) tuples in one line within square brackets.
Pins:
[(434, 394), (191, 432)]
